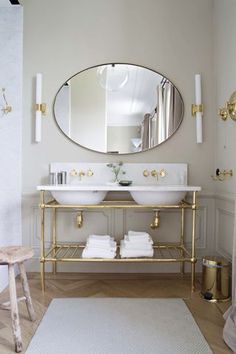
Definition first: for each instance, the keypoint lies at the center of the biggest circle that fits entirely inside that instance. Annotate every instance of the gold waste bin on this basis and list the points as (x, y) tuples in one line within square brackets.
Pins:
[(215, 279)]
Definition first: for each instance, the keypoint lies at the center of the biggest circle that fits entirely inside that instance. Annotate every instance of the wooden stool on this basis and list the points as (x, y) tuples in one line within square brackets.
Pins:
[(10, 256)]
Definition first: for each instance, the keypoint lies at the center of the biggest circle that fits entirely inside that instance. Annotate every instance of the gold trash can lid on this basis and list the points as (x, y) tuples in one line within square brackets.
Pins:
[(215, 261)]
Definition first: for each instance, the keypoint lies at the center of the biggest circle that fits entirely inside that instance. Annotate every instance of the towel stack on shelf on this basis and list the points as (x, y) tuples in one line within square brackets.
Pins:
[(136, 244), (99, 246)]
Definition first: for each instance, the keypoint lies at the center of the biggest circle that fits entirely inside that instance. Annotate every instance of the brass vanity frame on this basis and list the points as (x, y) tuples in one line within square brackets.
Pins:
[(165, 252)]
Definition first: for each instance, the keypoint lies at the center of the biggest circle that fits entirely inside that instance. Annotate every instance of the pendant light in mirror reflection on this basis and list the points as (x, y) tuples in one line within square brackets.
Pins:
[(197, 108), (112, 77), (118, 108), (40, 108)]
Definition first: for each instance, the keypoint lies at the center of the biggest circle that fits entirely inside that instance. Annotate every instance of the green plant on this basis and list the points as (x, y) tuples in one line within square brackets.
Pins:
[(117, 170)]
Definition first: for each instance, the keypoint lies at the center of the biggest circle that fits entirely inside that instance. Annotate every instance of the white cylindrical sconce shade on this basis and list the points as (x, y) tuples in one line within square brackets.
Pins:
[(38, 117), (198, 102)]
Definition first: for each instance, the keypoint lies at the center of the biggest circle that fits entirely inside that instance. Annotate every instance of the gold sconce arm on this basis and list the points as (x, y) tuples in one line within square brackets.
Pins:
[(230, 108), (6, 108), (222, 175)]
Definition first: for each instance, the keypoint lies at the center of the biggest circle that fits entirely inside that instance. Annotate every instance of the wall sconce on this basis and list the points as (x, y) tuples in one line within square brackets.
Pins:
[(222, 175), (5, 108), (40, 108), (230, 108), (197, 108)]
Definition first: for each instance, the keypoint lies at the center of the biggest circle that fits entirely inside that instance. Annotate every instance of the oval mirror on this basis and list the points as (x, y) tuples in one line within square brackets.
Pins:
[(118, 108)]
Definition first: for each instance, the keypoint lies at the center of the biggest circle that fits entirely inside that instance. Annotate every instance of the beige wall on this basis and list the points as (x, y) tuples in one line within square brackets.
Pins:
[(64, 37), (225, 72), (174, 37), (225, 147)]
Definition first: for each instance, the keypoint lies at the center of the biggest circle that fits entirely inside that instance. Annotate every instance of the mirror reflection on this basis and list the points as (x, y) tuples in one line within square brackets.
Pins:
[(118, 108)]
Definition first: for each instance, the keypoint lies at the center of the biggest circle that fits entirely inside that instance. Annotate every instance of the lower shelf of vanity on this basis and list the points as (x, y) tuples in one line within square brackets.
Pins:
[(167, 252)]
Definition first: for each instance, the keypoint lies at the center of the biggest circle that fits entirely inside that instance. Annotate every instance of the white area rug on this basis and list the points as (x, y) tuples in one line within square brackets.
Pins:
[(118, 326)]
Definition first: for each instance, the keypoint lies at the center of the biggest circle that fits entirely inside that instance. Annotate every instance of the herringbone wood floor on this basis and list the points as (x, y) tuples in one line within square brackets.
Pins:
[(208, 316)]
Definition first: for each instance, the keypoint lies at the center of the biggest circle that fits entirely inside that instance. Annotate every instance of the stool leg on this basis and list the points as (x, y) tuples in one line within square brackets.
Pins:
[(26, 290), (14, 309)]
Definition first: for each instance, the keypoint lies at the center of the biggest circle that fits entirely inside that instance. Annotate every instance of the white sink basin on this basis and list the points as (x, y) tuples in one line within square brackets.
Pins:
[(158, 197), (79, 197), (75, 195), (161, 195), (142, 194)]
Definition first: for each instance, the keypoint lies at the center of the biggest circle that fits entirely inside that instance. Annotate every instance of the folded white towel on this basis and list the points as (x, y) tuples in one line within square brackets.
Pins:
[(140, 239), (136, 254), (100, 240), (101, 244), (135, 233), (137, 245), (98, 253), (100, 237), (133, 253)]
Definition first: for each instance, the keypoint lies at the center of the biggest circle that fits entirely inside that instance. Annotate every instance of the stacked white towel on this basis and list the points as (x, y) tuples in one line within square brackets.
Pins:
[(136, 244), (99, 246)]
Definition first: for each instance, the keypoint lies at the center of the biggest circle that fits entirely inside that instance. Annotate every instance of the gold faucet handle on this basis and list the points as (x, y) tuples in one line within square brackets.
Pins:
[(146, 173), (90, 173), (73, 173), (154, 173), (162, 173)]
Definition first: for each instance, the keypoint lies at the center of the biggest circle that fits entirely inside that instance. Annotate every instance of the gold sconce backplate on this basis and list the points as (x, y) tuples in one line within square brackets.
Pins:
[(41, 107), (196, 108), (229, 109)]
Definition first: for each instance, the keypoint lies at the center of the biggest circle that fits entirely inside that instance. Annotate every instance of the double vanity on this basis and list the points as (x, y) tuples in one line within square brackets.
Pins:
[(134, 109), (152, 186)]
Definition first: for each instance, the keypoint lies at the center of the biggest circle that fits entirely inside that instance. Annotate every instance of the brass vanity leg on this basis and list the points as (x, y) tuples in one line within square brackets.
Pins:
[(54, 240), (182, 264), (42, 241), (42, 271), (193, 256)]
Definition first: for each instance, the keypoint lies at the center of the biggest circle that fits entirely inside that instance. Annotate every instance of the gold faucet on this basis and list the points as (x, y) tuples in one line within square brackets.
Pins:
[(81, 173), (162, 173), (154, 173)]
